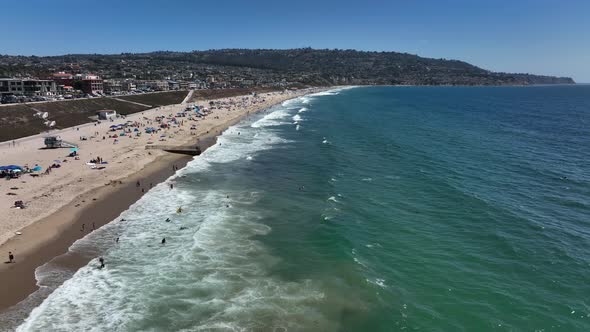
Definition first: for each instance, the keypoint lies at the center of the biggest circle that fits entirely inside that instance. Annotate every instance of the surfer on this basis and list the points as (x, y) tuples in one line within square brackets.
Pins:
[(101, 260), (164, 241)]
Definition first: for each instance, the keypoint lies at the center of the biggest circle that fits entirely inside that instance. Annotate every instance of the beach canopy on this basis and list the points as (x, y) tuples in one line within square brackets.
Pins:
[(37, 168), (73, 149), (11, 168)]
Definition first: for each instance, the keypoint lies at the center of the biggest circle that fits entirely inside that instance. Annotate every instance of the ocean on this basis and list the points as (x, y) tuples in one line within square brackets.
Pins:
[(361, 209)]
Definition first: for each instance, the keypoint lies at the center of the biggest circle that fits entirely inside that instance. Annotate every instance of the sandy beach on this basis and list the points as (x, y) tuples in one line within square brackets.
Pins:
[(70, 201)]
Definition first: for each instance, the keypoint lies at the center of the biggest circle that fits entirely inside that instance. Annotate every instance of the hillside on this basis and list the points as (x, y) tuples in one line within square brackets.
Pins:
[(267, 67), (17, 120)]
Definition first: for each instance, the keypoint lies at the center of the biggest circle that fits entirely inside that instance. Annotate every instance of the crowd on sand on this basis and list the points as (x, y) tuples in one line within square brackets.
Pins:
[(158, 127)]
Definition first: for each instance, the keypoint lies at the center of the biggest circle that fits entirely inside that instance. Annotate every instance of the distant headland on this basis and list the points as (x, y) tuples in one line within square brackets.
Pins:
[(272, 68)]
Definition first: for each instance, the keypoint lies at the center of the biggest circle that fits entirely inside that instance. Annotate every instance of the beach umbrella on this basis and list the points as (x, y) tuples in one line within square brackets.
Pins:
[(37, 168), (73, 149), (14, 167)]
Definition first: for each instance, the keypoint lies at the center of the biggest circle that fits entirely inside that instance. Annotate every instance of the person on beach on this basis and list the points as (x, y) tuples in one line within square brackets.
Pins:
[(101, 260), (137, 184), (10, 257)]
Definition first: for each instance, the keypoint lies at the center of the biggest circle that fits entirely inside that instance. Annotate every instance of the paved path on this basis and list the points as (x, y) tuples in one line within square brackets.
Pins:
[(133, 102), (188, 97)]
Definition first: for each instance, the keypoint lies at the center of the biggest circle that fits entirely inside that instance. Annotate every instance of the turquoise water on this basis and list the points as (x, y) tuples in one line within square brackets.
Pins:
[(365, 209)]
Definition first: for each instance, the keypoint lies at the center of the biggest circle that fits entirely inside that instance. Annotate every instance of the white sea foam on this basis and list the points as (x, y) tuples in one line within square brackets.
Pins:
[(303, 109), (272, 119), (333, 199), (212, 275), (377, 281)]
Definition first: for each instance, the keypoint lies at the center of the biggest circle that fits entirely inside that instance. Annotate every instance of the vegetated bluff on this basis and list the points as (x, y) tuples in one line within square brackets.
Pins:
[(306, 66)]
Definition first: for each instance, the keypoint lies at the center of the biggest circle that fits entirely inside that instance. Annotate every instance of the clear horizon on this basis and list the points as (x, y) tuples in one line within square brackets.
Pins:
[(536, 37)]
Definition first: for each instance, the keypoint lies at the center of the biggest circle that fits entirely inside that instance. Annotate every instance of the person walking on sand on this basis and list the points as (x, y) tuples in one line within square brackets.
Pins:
[(10, 257)]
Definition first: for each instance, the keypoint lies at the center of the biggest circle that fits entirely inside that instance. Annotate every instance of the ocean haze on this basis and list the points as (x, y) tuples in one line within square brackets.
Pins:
[(363, 209)]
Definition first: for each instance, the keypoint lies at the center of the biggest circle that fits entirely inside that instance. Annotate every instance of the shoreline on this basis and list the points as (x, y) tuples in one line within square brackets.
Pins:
[(53, 235)]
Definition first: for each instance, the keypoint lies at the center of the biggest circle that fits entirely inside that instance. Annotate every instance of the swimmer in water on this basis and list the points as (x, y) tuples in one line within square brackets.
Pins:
[(164, 241), (167, 219), (179, 210)]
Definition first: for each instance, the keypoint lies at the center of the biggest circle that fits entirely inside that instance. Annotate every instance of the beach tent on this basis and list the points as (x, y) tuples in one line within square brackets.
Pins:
[(74, 150), (11, 168), (37, 169)]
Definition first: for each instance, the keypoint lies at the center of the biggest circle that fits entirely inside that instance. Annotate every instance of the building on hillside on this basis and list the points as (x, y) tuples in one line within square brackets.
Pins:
[(27, 87), (128, 85), (88, 83), (92, 84), (173, 85), (157, 85), (112, 86)]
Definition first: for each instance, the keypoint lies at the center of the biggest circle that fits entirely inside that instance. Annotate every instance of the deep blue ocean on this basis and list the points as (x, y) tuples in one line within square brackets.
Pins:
[(362, 209)]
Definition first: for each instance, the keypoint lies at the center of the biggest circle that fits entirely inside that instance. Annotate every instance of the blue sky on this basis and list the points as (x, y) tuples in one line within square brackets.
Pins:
[(541, 37)]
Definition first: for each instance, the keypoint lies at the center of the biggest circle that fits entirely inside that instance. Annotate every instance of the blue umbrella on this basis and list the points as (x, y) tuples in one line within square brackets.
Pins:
[(10, 168)]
